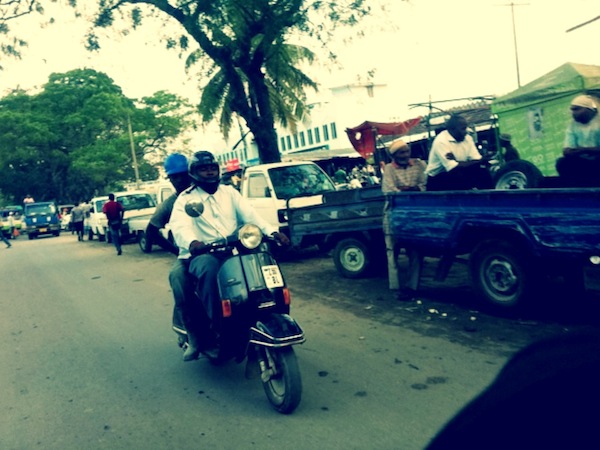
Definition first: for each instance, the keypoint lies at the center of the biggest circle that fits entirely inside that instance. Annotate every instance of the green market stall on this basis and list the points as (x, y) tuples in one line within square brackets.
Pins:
[(536, 115)]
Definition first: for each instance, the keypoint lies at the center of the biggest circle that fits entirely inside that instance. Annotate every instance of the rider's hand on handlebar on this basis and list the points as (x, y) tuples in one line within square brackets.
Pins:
[(281, 238), (196, 247)]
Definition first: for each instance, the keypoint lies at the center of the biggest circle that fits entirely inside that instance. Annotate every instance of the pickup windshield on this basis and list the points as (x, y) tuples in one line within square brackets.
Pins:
[(292, 181), (136, 201)]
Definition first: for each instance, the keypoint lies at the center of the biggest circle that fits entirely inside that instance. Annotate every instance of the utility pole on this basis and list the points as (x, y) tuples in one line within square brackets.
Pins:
[(133, 157), (512, 11)]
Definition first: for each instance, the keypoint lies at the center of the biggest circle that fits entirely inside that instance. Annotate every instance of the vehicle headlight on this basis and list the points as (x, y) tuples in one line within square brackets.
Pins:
[(250, 236)]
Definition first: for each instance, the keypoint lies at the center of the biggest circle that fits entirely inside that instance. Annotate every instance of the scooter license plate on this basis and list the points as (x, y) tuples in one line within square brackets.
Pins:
[(272, 275)]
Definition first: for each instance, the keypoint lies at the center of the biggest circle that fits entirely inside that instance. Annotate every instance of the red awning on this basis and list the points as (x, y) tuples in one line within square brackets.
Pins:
[(363, 136)]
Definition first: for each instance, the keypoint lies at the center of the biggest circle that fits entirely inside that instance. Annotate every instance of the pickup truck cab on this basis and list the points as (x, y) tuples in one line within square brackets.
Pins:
[(41, 218), (268, 187)]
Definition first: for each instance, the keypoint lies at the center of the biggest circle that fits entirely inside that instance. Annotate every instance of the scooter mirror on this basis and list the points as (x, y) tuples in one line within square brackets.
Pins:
[(194, 209)]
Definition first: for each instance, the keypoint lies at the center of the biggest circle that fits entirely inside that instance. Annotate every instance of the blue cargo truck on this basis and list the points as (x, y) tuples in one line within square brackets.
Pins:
[(512, 240), (40, 218)]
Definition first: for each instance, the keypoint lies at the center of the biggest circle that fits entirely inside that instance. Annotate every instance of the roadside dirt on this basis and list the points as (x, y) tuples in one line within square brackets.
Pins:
[(446, 309)]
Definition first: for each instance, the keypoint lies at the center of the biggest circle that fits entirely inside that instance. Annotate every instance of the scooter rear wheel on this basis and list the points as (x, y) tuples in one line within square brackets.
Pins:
[(281, 378)]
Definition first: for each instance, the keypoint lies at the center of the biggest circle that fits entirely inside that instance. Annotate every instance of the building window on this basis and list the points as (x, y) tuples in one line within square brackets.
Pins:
[(333, 130), (302, 139), (295, 140), (325, 133), (310, 137), (289, 142), (282, 144), (317, 135)]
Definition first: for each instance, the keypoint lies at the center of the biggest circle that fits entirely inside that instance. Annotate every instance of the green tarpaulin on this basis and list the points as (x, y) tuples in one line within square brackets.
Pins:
[(569, 79)]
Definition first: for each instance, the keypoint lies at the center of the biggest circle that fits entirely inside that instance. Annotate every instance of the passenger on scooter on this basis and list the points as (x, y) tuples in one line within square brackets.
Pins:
[(181, 284), (225, 210)]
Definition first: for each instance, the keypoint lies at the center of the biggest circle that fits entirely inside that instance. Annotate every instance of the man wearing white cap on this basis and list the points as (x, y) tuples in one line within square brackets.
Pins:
[(580, 164), (402, 174)]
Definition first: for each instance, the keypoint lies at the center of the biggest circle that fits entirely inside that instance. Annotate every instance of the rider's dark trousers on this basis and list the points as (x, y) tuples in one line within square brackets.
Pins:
[(205, 268)]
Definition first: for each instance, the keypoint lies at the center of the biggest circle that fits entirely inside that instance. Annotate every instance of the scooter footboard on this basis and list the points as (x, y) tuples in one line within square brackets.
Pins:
[(279, 330)]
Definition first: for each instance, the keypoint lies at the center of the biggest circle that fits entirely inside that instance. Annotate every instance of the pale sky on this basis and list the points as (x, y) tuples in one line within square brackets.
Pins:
[(420, 48)]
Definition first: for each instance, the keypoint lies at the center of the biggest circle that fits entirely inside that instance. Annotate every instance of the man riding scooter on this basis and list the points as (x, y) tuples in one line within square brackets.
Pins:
[(225, 210)]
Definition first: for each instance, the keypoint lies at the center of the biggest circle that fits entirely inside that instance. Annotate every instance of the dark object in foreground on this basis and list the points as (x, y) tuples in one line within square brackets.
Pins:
[(545, 397)]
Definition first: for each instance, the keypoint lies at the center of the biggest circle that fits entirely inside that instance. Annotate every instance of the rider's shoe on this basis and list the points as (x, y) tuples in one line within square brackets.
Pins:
[(192, 350)]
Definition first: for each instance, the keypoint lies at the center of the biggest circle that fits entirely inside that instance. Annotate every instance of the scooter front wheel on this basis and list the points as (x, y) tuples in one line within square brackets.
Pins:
[(280, 377)]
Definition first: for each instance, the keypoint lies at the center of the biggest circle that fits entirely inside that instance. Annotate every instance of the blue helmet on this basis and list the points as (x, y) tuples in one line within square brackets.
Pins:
[(176, 163)]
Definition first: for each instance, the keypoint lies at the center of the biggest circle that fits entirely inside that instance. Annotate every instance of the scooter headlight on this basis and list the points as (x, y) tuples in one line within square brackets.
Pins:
[(250, 236)]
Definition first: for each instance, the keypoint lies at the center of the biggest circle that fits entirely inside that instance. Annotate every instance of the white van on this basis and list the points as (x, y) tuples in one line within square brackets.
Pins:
[(268, 187)]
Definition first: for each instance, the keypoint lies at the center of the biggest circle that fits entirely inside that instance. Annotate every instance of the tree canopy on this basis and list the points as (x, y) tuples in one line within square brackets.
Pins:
[(252, 67), (71, 140)]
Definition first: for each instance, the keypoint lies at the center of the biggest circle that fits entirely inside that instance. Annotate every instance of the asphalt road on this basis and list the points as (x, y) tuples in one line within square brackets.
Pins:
[(89, 360)]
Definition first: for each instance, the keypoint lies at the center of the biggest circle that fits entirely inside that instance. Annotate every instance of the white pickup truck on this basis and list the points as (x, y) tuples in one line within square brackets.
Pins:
[(137, 225), (268, 187), (138, 205)]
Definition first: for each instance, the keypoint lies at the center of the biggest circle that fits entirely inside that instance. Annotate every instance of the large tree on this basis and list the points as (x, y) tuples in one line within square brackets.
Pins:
[(253, 69), (11, 10), (72, 140)]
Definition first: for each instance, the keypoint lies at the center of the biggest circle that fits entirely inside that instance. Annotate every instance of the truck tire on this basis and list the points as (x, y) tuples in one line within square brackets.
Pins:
[(518, 174), (90, 235), (144, 243), (352, 258), (502, 275)]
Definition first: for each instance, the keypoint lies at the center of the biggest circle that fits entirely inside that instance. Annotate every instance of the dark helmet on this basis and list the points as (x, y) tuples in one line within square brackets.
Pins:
[(199, 159), (176, 163)]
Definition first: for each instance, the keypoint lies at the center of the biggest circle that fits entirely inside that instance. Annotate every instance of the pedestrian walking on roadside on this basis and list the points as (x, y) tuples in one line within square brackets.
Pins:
[(77, 218), (114, 214)]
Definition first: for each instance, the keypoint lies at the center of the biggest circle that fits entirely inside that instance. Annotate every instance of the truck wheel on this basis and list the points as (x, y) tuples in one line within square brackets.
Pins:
[(144, 243), (352, 258), (90, 235), (502, 275), (518, 174)]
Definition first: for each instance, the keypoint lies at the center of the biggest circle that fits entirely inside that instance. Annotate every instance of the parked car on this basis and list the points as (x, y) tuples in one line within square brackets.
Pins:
[(95, 222), (41, 218)]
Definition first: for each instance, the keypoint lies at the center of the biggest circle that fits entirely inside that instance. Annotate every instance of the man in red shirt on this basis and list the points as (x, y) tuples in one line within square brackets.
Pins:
[(114, 213)]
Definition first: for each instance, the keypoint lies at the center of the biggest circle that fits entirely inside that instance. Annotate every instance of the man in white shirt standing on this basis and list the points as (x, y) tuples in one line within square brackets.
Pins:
[(454, 161), (580, 164), (225, 210)]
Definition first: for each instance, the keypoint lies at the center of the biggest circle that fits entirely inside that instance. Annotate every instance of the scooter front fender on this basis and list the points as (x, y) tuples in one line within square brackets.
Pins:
[(279, 330)]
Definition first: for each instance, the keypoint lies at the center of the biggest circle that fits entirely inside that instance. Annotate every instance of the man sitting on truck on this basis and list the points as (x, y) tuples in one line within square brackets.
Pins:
[(580, 164), (401, 175), (454, 161)]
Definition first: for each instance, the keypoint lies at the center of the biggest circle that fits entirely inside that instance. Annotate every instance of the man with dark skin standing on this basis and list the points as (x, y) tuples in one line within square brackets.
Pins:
[(454, 161), (114, 214), (580, 164)]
